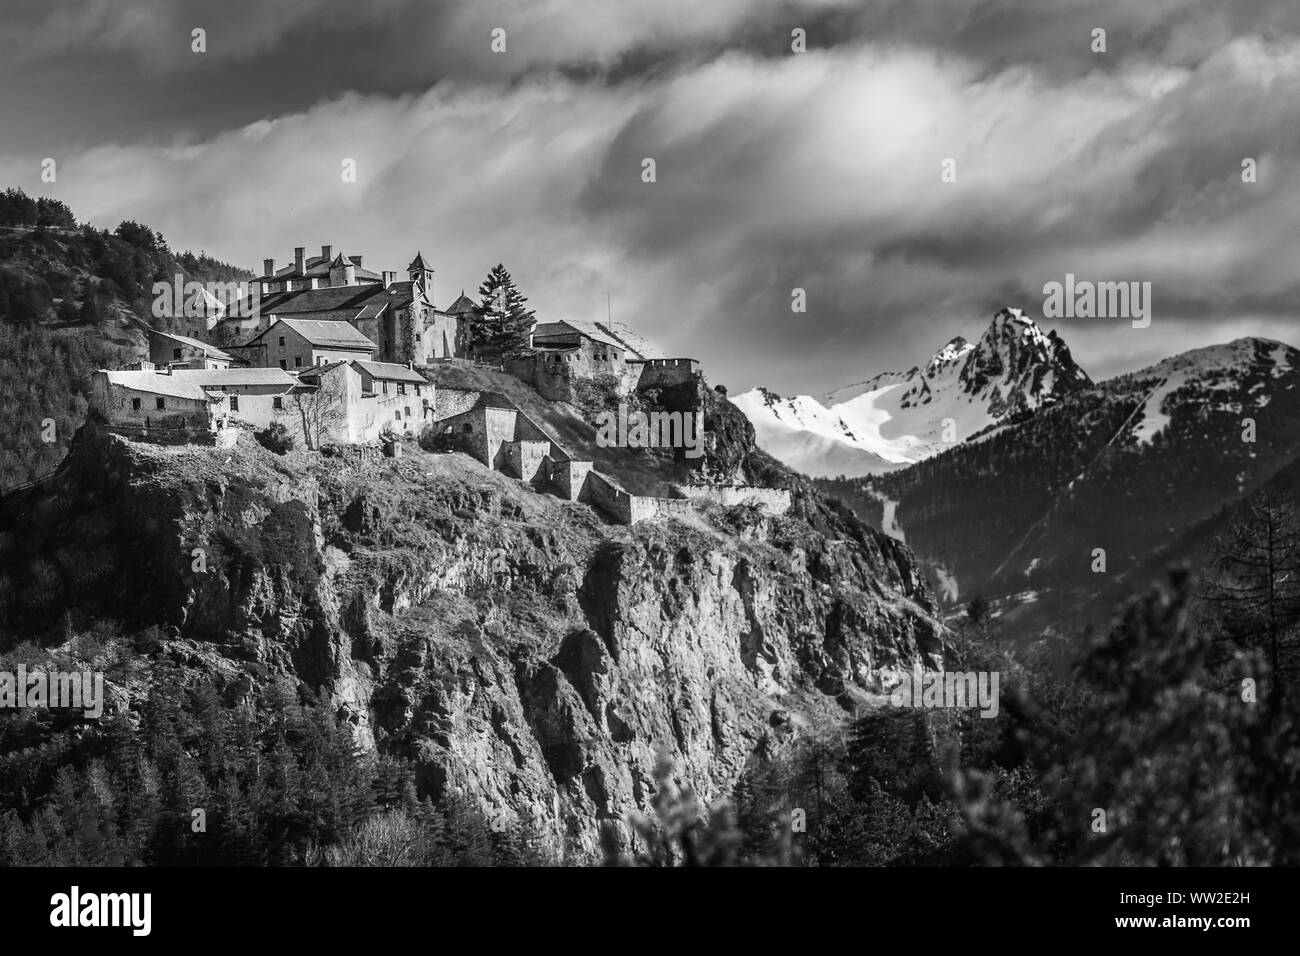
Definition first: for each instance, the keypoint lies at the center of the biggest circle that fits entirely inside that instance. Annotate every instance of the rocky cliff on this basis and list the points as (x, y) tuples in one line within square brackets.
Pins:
[(519, 650)]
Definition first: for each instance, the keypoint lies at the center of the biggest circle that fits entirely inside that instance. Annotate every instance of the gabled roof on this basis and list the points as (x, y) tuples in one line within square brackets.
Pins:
[(158, 383), (463, 304), (223, 377), (335, 299), (418, 264), (207, 298), (633, 340), (326, 333), (390, 372), (313, 267), (317, 370), (208, 350), (591, 330), (495, 400)]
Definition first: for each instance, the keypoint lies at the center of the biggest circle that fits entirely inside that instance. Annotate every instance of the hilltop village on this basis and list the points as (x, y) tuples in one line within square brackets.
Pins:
[(324, 351)]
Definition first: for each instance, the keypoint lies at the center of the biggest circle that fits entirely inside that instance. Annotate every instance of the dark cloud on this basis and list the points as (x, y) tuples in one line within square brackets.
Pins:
[(774, 171)]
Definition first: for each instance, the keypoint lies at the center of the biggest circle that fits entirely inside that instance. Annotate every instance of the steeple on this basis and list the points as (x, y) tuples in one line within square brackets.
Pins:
[(421, 272)]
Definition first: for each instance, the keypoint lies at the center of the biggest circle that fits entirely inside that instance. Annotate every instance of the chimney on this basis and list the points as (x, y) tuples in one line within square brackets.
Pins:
[(326, 252), (356, 261), (268, 267), (389, 278), (299, 254)]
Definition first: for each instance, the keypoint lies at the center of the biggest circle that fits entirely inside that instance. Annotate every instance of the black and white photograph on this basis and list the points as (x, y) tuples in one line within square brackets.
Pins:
[(856, 435)]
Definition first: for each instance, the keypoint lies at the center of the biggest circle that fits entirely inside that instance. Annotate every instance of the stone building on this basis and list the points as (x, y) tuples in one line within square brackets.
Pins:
[(297, 343), (369, 398), (400, 318), (169, 349), (191, 401), (498, 434)]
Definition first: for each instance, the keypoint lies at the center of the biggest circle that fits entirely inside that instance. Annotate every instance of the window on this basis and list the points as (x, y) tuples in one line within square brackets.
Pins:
[(234, 403), (417, 391), (297, 361), (401, 388), (468, 427), (408, 411), (383, 387), (282, 341), (135, 404), (277, 403), (397, 414), (160, 403), (176, 353)]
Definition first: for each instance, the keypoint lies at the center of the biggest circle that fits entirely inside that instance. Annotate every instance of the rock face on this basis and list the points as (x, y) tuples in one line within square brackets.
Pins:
[(526, 655)]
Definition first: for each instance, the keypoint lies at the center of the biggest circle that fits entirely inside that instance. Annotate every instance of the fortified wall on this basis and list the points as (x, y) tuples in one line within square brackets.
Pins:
[(771, 501)]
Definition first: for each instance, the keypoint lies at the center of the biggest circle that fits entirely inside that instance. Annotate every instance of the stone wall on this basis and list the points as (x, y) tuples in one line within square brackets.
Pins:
[(772, 501), (451, 401), (665, 373), (526, 459), (499, 426), (553, 381), (602, 493), (568, 477), (352, 455), (627, 508), (644, 508)]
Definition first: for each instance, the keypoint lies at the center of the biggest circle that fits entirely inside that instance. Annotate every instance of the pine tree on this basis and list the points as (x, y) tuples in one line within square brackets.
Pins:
[(1253, 590), (501, 325)]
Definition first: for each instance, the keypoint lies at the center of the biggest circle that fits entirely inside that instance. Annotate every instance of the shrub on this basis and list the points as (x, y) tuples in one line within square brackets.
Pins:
[(275, 437)]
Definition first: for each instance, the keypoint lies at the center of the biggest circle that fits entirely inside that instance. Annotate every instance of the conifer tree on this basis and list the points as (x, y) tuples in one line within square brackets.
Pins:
[(500, 326), (1253, 589)]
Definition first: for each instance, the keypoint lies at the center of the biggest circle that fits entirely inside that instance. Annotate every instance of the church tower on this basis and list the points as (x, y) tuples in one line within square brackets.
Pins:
[(413, 345), (421, 272)]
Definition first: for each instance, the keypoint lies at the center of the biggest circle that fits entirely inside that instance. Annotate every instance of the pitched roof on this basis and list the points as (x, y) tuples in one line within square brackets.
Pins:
[(390, 371), (633, 340), (418, 264), (207, 297), (495, 400), (209, 350), (591, 330), (327, 333), (158, 383), (336, 298), (313, 267), (463, 304), (316, 371), (222, 377)]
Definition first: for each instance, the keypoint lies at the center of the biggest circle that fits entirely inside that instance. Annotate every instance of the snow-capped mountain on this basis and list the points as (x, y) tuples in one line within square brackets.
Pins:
[(898, 418), (1142, 469)]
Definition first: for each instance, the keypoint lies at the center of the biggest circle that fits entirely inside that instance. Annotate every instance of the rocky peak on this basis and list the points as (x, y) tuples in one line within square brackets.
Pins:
[(948, 356), (1017, 365)]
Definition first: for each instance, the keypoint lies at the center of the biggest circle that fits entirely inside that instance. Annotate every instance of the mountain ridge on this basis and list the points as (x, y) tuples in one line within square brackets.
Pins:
[(895, 419)]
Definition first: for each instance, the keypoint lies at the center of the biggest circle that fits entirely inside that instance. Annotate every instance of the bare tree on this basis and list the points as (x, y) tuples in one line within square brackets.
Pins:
[(1253, 586), (321, 401)]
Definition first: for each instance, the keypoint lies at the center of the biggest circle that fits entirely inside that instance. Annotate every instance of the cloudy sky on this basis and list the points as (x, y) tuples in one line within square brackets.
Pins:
[(776, 169)]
